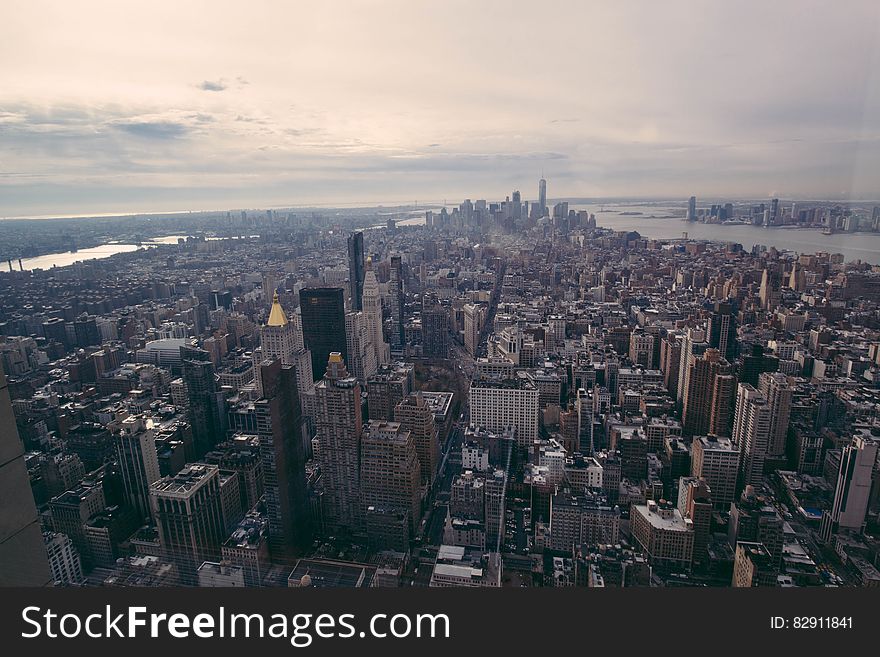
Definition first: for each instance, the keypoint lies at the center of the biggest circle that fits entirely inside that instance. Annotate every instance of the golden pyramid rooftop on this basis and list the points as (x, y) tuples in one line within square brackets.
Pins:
[(276, 315)]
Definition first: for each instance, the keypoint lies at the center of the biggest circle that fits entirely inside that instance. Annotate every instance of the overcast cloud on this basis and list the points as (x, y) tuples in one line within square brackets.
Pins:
[(125, 107)]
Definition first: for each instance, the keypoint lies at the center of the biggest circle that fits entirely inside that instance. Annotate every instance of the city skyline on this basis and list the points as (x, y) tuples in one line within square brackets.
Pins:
[(218, 108), (521, 386), (401, 296)]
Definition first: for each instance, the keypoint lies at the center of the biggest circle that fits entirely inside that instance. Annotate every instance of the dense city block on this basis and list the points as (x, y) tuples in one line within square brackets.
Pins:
[(497, 394)]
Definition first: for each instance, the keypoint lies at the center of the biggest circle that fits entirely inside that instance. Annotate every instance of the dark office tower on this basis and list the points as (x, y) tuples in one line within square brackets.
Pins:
[(722, 330), (323, 325), (23, 560), (754, 363), (692, 209), (86, 330), (56, 329), (138, 463), (221, 299), (542, 197), (435, 332), (395, 293), (201, 390), (494, 497), (281, 451), (416, 416), (188, 509), (201, 318), (338, 425), (356, 269), (774, 212)]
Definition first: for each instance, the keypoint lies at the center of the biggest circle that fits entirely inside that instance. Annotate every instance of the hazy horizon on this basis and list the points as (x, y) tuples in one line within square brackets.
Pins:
[(128, 109)]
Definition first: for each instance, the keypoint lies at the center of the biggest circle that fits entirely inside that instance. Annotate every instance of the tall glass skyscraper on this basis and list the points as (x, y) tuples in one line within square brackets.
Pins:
[(323, 325), (542, 196), (356, 269)]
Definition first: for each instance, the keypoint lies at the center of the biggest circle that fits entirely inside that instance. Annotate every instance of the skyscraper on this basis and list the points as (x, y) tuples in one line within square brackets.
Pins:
[(769, 290), (474, 316), (283, 459), (356, 269), (695, 504), (723, 398), (323, 325), (753, 566), (387, 388), (753, 518), (670, 360), (281, 338), (516, 205), (435, 332), (339, 426), (23, 560), (778, 393), (189, 517), (390, 471), (692, 209), (716, 460), (542, 197), (373, 314), (755, 361), (751, 433), (692, 347), (641, 348), (854, 480), (499, 405), (361, 353), (396, 305), (699, 398), (495, 496), (138, 463), (201, 388), (722, 330), (415, 416)]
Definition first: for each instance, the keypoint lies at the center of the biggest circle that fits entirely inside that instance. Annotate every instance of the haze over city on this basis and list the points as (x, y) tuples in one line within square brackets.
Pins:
[(162, 107)]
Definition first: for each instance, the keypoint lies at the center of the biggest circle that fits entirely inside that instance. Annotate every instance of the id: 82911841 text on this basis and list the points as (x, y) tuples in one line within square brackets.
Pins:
[(811, 623)]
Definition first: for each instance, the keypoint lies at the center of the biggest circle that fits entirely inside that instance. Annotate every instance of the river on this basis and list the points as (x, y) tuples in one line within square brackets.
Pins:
[(70, 257), (95, 253), (853, 246)]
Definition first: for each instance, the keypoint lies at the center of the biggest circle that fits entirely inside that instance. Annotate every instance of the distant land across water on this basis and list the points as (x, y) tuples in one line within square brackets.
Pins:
[(650, 219)]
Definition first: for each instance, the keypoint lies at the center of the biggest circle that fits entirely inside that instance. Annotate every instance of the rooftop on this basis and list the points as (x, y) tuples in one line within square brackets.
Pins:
[(191, 477), (663, 516), (320, 573)]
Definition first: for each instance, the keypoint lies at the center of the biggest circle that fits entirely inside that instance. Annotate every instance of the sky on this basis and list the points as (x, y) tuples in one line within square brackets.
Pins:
[(110, 107)]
